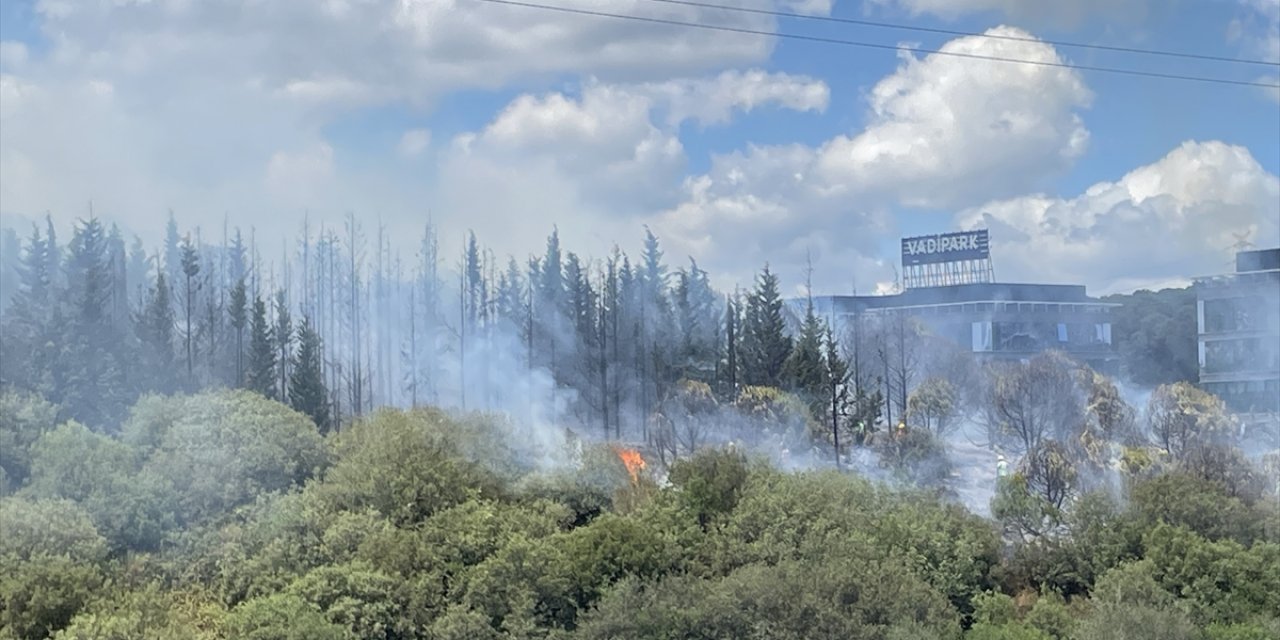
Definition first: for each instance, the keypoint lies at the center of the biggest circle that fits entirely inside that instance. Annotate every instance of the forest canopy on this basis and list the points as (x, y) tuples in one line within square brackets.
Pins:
[(194, 444)]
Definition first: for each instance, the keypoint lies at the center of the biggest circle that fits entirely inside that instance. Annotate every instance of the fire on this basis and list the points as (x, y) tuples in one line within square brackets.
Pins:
[(633, 460)]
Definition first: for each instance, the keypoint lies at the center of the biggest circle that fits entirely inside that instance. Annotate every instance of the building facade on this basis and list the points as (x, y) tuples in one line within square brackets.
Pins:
[(1238, 317), (997, 321)]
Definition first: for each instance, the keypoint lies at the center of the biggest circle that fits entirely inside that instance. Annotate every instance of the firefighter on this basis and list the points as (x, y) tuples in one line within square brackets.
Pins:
[(1002, 467), (902, 428)]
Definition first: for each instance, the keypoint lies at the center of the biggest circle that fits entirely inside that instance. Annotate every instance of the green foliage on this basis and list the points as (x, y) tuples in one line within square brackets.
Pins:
[(1051, 615), (406, 465), (150, 612), (805, 370), (260, 375), (1182, 418), (1155, 332), (933, 405), (226, 515), (1134, 622), (777, 415), (23, 419), (710, 483), (917, 456), (841, 598), (994, 609), (1222, 581), (282, 616), (42, 594), (1200, 505), (307, 392), (369, 603), (51, 556), (1264, 630), (765, 343), (133, 510), (225, 448)]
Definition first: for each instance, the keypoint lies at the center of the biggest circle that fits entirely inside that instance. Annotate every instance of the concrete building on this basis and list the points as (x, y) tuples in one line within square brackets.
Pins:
[(1001, 321), (1238, 316)]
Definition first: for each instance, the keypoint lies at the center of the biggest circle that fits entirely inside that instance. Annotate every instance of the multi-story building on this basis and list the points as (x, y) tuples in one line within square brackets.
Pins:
[(1238, 316), (1001, 321), (950, 290)]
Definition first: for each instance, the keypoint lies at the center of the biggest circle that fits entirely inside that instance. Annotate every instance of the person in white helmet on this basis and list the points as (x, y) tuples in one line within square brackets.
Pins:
[(1002, 466)]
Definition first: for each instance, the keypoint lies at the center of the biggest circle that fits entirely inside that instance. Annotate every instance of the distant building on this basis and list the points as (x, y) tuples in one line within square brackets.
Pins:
[(950, 290), (1238, 317), (998, 321)]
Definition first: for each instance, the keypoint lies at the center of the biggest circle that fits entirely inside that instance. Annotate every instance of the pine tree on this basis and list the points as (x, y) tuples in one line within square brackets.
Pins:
[(89, 376), (239, 318), (154, 328), (117, 260), (732, 345), (189, 265), (138, 274), (283, 338), (804, 372), (307, 391), (261, 375), (838, 387), (765, 343), (172, 252), (27, 352)]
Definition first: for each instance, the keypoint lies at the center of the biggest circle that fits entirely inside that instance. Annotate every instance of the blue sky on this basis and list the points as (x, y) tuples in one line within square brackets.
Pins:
[(735, 149)]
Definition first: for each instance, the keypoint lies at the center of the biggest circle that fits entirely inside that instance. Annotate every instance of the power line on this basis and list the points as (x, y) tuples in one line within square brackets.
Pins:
[(975, 34), (871, 45)]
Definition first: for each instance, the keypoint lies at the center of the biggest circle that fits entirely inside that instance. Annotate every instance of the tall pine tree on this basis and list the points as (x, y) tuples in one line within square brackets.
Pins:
[(805, 372), (239, 312), (154, 327), (765, 343), (283, 337), (189, 265), (261, 376), (837, 387), (307, 391)]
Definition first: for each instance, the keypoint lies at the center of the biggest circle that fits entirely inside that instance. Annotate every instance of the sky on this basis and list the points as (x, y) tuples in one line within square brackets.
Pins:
[(735, 149)]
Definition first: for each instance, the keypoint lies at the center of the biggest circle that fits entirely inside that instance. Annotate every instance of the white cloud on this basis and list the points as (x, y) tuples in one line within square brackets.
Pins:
[(942, 132), (203, 95), (1257, 29), (600, 162), (413, 142), (1161, 223), (1039, 12), (292, 176), (714, 102), (393, 49), (955, 129), (13, 55)]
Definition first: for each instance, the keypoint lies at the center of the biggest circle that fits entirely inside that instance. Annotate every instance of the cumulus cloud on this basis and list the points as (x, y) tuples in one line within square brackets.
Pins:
[(1158, 225), (1039, 12), (204, 95), (13, 55), (1257, 29), (942, 132), (413, 142), (393, 49), (598, 162)]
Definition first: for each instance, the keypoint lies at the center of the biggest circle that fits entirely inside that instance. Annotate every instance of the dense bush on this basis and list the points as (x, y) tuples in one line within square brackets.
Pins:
[(225, 515)]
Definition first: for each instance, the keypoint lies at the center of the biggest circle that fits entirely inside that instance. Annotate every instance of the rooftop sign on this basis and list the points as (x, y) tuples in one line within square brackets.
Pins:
[(946, 247)]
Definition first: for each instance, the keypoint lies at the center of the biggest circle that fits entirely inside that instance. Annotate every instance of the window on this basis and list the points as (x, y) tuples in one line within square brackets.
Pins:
[(1062, 332), (981, 334)]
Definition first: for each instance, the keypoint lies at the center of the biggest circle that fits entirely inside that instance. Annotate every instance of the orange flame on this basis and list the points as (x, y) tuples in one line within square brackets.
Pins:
[(633, 461)]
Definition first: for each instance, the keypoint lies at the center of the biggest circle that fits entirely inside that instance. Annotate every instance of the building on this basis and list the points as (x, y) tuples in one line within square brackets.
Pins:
[(1238, 318), (1001, 321), (950, 289)]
